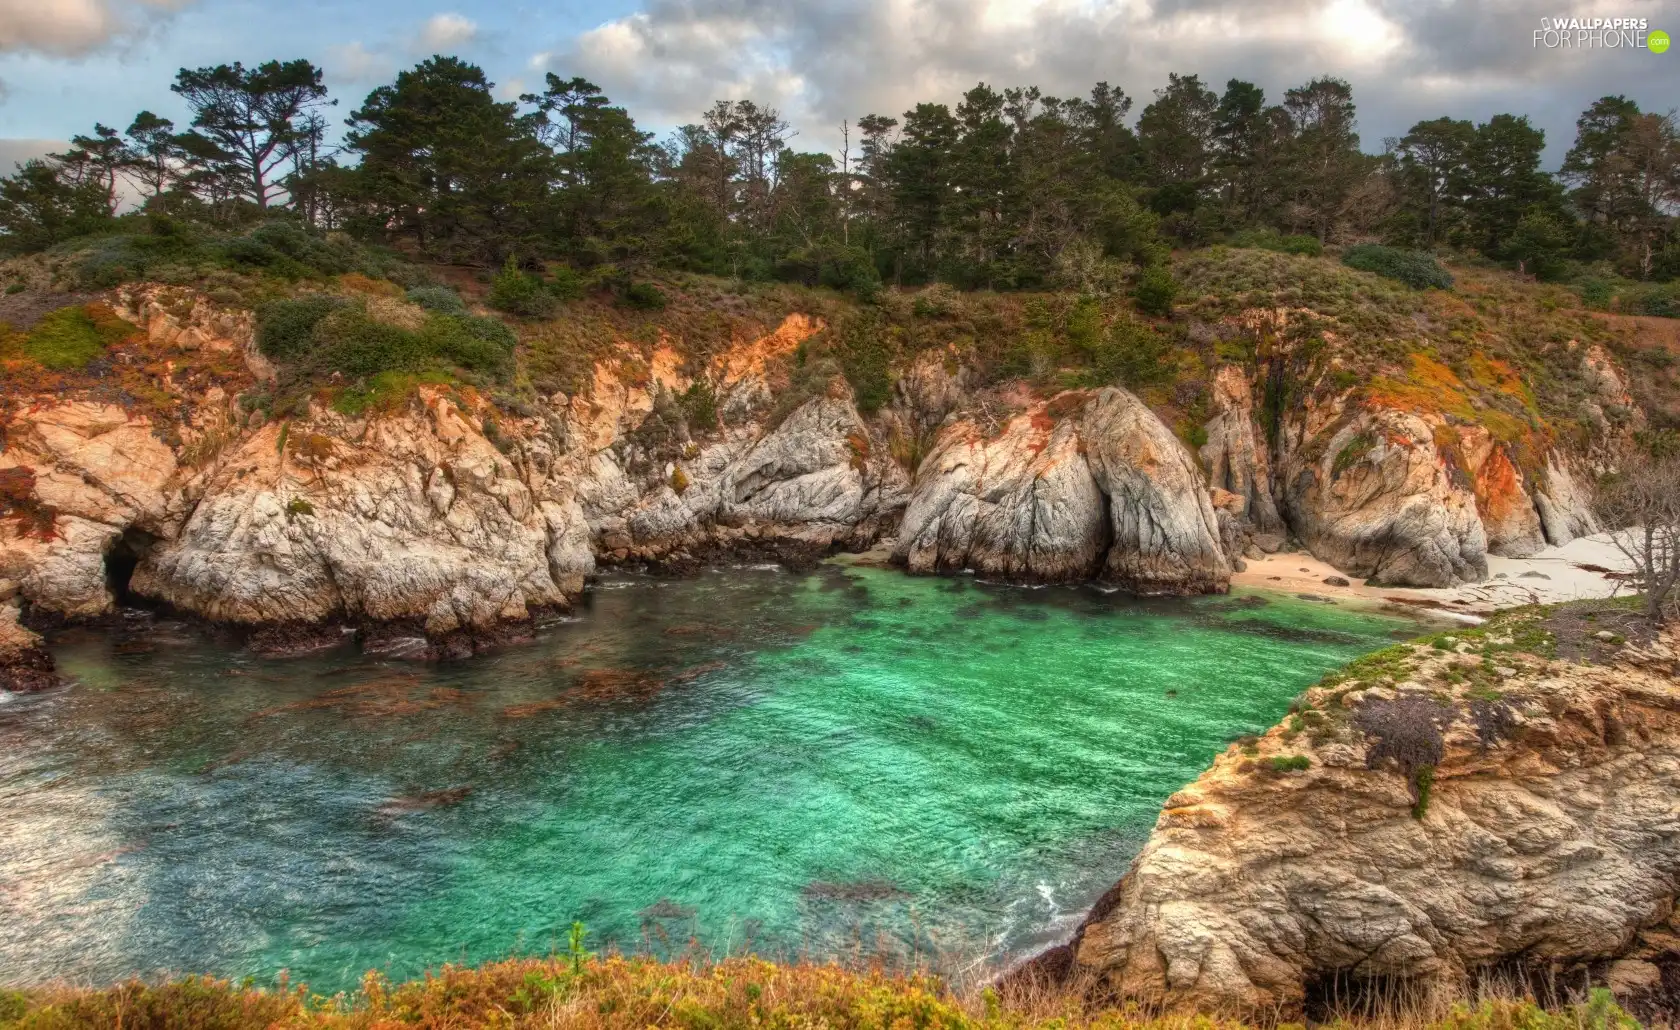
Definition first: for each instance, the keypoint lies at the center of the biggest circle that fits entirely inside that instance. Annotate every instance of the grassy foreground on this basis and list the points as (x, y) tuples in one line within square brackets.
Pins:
[(613, 993)]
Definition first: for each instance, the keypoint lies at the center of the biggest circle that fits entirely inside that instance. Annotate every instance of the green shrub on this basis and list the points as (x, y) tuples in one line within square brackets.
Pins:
[(71, 338), (472, 342), (439, 299), (1423, 783), (566, 283), (1155, 291), (299, 506), (699, 404), (1289, 763), (643, 297), (1415, 268), (349, 342), (1131, 353), (1267, 239), (518, 293), (1662, 301), (865, 351), (285, 328)]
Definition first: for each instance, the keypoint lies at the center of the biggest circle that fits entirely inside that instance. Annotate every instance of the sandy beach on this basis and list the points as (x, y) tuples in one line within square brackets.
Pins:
[(1583, 568)]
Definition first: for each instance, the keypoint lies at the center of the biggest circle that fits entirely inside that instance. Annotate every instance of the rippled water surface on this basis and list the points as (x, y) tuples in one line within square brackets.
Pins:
[(829, 764)]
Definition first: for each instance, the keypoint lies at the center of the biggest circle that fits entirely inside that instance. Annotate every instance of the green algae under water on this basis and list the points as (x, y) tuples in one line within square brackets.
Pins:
[(832, 765)]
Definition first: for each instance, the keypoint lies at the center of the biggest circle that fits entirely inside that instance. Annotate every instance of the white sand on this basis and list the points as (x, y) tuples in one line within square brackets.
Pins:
[(1555, 574)]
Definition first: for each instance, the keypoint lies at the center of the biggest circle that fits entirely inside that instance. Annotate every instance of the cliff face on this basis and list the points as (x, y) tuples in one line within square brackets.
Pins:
[(1434, 811), (444, 511), (1083, 486)]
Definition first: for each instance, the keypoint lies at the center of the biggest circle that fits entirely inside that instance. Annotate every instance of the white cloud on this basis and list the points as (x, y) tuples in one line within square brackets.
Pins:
[(443, 31), (821, 62), (14, 152), (353, 62), (75, 28)]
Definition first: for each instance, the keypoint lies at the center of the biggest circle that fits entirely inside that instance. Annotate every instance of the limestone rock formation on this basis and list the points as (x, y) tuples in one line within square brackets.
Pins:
[(1564, 506), (1378, 501), (1550, 833), (25, 664), (415, 517), (1074, 487), (1235, 454)]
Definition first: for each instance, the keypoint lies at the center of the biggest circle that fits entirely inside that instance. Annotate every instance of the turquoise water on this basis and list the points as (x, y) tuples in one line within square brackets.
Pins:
[(847, 763)]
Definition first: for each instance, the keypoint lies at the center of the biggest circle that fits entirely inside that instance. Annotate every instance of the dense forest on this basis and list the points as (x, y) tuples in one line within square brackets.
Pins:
[(1010, 189)]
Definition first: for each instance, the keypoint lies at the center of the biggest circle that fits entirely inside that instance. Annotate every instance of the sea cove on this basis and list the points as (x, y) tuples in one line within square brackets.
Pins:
[(843, 763)]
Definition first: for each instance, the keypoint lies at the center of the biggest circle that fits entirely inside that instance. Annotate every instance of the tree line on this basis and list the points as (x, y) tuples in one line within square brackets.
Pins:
[(1010, 188)]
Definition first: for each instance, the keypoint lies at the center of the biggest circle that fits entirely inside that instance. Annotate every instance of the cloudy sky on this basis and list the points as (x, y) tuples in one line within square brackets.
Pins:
[(66, 63)]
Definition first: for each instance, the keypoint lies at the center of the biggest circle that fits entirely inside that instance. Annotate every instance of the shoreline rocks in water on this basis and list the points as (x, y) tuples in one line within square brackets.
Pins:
[(1435, 810), (25, 664)]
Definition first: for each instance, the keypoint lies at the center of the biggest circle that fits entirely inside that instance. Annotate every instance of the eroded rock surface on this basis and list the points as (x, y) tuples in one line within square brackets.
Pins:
[(1551, 834), (1077, 487), (1379, 501)]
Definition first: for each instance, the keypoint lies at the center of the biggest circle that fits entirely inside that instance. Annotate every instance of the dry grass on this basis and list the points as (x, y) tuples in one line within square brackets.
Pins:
[(634, 994)]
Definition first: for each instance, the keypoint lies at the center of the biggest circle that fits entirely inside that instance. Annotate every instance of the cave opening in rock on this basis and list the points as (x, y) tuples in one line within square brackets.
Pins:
[(1344, 995), (121, 559)]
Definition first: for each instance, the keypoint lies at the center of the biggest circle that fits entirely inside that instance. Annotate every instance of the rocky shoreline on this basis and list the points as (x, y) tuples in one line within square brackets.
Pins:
[(459, 519), (446, 524), (1495, 801)]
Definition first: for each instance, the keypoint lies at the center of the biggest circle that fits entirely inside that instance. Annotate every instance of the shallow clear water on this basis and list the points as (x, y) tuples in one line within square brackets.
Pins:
[(842, 763)]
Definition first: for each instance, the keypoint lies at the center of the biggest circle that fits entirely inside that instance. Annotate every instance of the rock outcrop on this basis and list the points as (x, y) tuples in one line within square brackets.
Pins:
[(1077, 487), (441, 512), (1411, 821), (1378, 500), (25, 664), (1236, 454)]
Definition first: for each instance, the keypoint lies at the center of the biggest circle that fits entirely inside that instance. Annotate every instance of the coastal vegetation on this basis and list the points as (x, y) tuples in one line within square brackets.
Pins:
[(618, 993)]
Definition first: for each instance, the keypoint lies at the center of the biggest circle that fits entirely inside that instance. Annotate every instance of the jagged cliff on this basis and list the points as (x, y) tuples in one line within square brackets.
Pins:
[(1501, 797), (441, 509)]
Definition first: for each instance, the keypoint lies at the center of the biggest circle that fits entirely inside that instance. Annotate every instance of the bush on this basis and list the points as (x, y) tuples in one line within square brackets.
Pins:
[(285, 328), (1266, 239), (1155, 291), (518, 293), (349, 342), (1289, 763), (1131, 353), (1409, 732), (323, 335), (643, 297), (865, 353), (472, 342), (440, 299), (1660, 301), (1596, 293), (70, 338), (1415, 268), (567, 284), (699, 404)]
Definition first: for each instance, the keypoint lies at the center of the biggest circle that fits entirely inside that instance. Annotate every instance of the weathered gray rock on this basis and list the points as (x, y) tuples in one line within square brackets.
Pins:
[(1235, 454), (420, 517), (1023, 505), (1100, 489), (1564, 506), (1555, 843), (1378, 502)]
